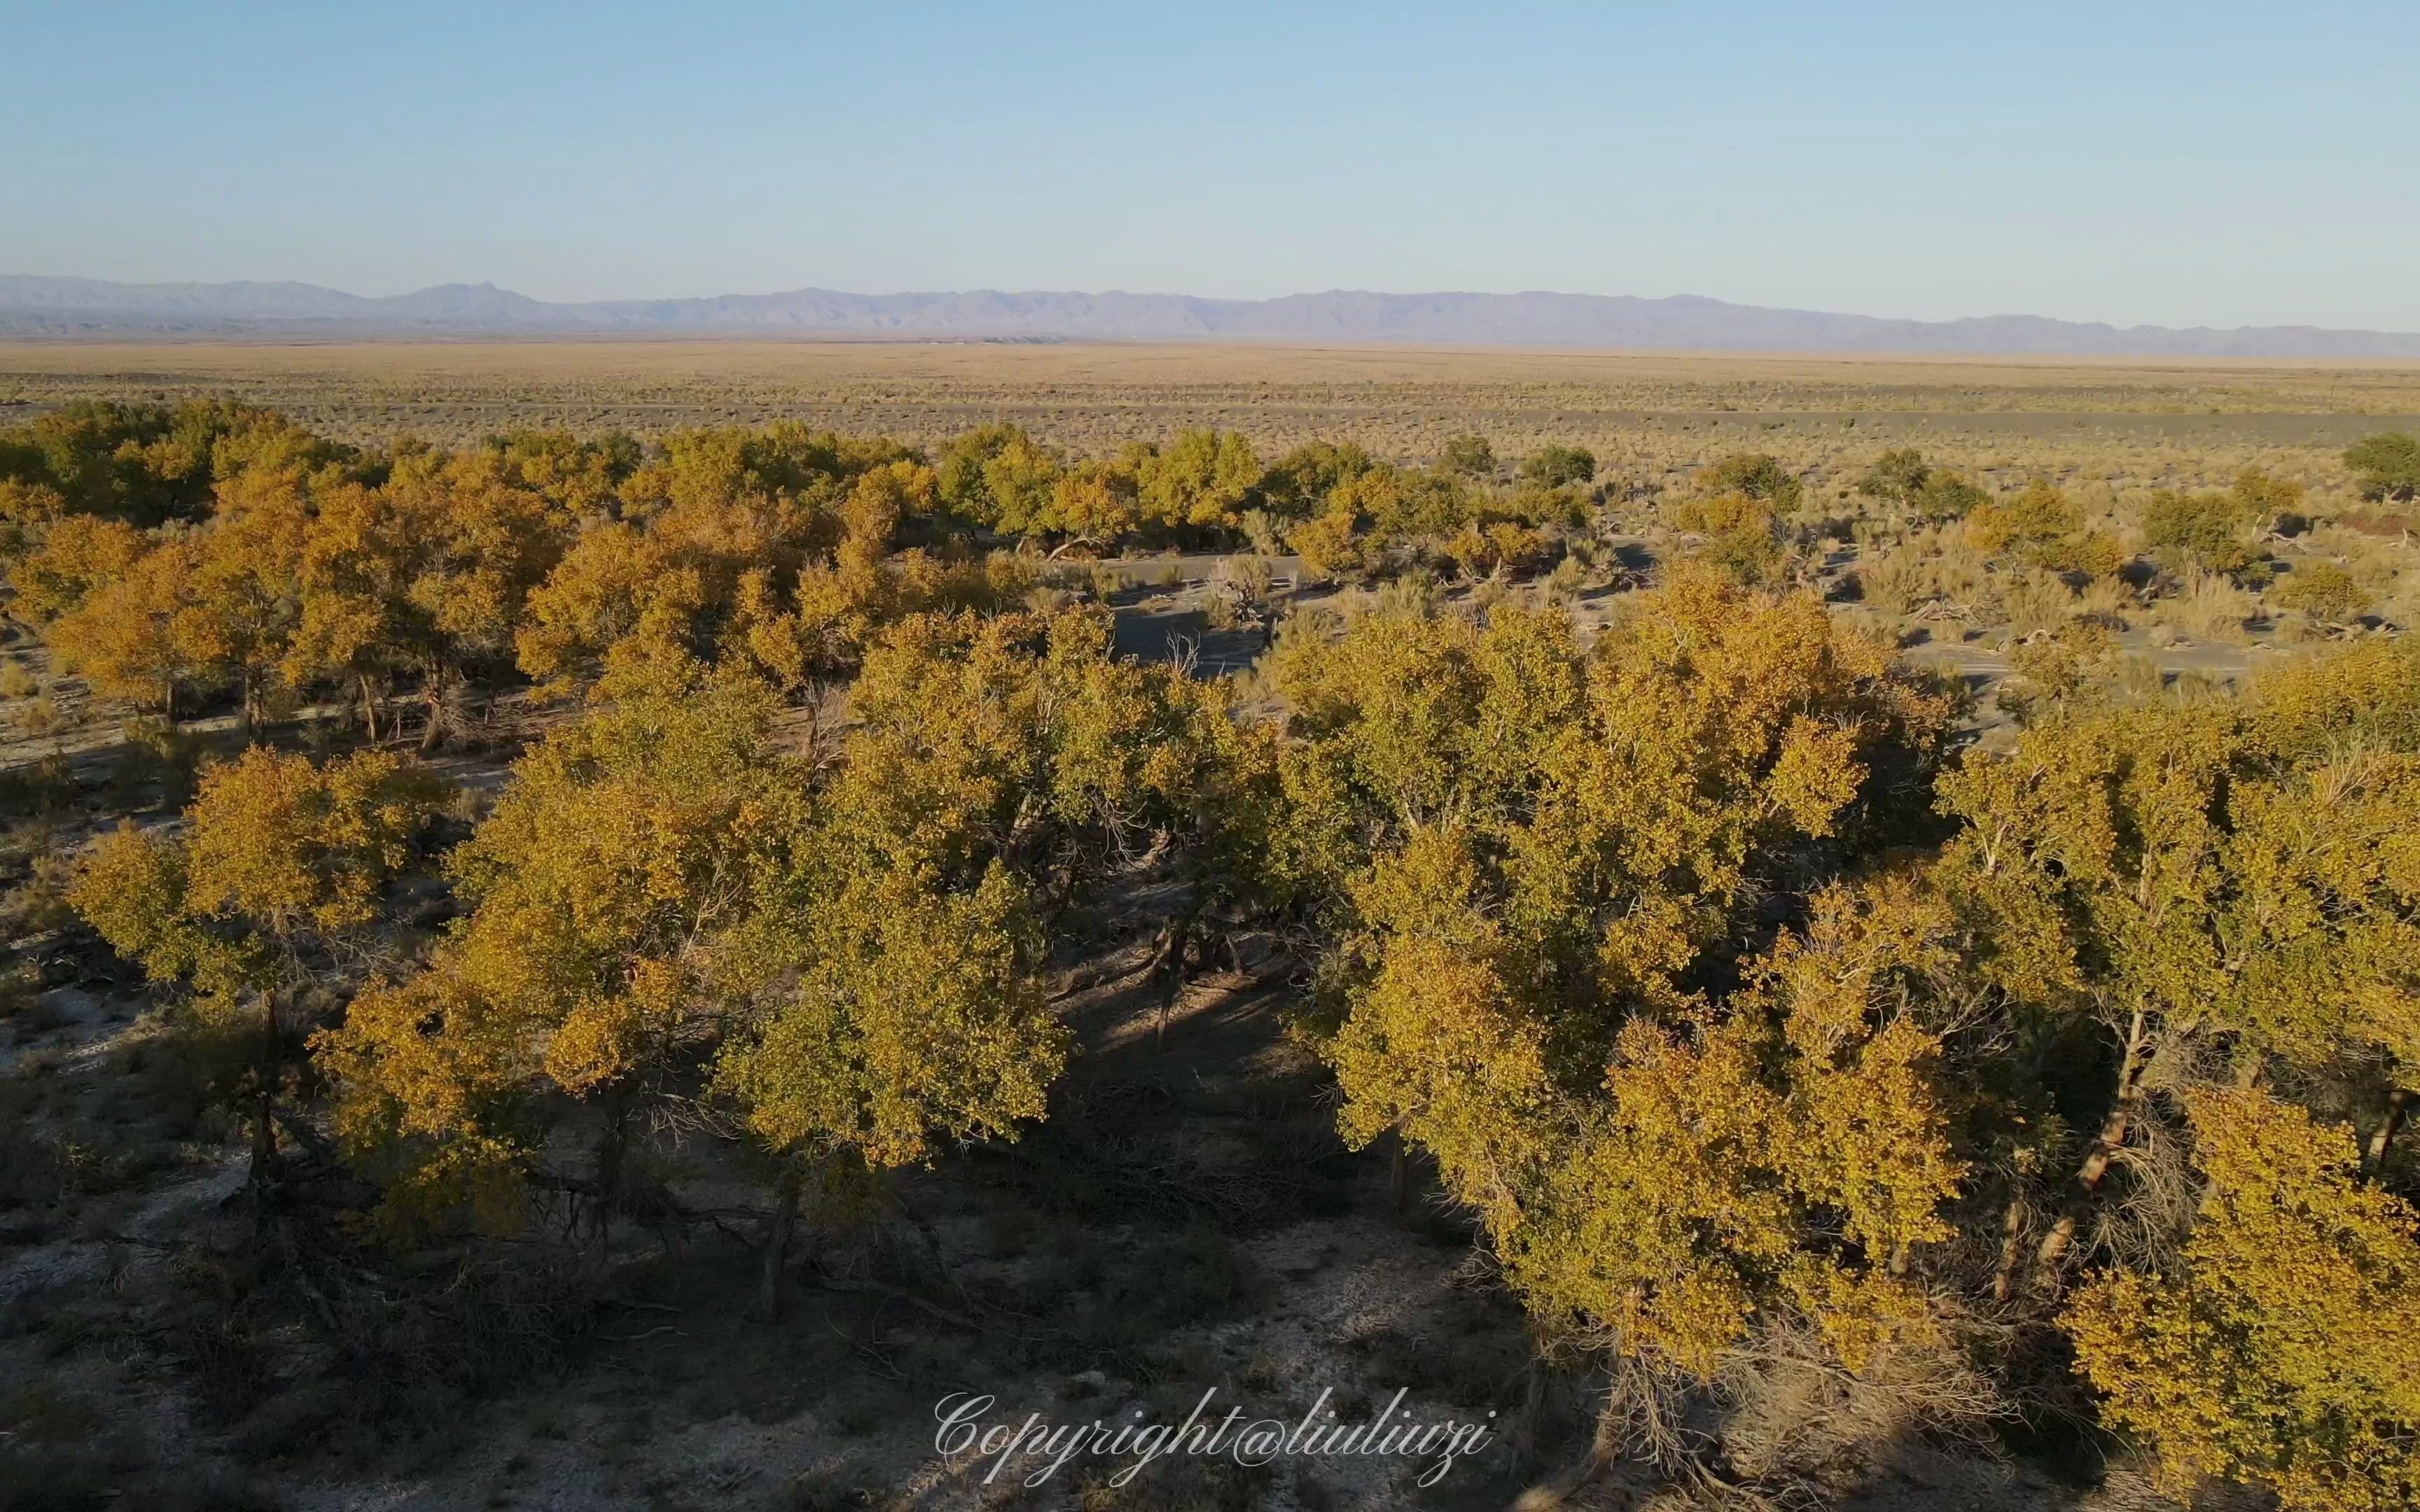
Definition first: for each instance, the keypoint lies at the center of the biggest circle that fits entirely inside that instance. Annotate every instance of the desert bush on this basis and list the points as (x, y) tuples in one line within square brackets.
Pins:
[(1747, 555), (2210, 607), (1895, 581), (2204, 531), (1500, 545), (2036, 516), (45, 789), (2058, 663), (38, 904), (1469, 455), (1793, 1413), (158, 763), (1969, 592), (2387, 466), (1262, 531), (2140, 678), (1754, 475), (39, 717), (2108, 599), (1249, 578), (1238, 588), (2090, 553), (2323, 591), (1558, 467), (2037, 601), (1411, 594), (1563, 583), (2270, 503), (1904, 479)]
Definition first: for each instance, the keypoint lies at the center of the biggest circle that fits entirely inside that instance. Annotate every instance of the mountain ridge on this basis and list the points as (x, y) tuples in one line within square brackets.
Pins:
[(38, 305)]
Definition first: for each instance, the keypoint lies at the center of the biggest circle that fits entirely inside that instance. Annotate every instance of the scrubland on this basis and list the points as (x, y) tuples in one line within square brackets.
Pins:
[(602, 925)]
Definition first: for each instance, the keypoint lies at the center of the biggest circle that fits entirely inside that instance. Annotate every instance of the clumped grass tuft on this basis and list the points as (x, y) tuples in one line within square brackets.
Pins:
[(2209, 607), (2038, 601)]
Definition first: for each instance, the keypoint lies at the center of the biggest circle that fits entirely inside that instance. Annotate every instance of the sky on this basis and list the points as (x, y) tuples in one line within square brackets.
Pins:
[(2212, 163)]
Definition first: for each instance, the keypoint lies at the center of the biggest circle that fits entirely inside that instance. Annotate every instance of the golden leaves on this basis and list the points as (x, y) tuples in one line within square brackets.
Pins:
[(917, 1016), (2278, 1351), (2232, 869), (288, 843), (1536, 848)]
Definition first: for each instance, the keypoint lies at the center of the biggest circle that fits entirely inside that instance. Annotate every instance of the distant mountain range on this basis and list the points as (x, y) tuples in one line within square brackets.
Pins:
[(37, 306)]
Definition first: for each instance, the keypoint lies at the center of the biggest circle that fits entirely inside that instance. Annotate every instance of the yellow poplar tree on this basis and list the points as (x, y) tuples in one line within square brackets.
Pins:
[(1533, 853), (597, 892), (2276, 1351), (280, 861), (2244, 878)]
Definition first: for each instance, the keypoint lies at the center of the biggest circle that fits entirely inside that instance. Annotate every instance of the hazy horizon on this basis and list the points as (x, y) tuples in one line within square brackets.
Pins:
[(647, 297), (37, 306)]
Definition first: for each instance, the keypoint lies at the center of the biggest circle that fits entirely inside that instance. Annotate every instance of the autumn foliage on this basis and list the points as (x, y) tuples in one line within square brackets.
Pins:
[(1785, 1052)]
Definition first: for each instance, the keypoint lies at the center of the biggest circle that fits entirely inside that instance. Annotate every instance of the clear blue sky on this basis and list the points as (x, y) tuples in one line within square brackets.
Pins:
[(2216, 163)]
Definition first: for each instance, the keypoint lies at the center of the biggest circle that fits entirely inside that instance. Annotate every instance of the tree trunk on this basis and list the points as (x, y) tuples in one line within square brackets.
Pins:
[(1604, 1447), (1533, 1404), (369, 710), (777, 1244), (435, 693), (1171, 963), (262, 1173), (2012, 1225), (2105, 1146), (2382, 1139), (609, 1180), (264, 1140)]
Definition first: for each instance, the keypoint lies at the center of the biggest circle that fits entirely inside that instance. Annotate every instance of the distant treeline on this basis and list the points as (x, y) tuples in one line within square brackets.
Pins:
[(173, 553)]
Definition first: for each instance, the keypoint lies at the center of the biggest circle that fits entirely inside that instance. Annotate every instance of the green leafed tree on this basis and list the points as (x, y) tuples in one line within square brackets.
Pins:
[(2387, 466)]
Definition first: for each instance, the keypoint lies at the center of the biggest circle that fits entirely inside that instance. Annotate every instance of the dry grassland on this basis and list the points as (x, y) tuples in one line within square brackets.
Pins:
[(1649, 417)]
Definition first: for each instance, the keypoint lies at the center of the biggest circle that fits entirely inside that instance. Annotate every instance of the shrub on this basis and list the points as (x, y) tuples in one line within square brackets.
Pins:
[(2095, 555), (2038, 601), (1905, 479), (1469, 456), (1897, 582), (2209, 607), (2324, 592), (1558, 467), (2058, 663), (2387, 466), (1746, 553), (2038, 516), (2202, 531), (1757, 476)]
